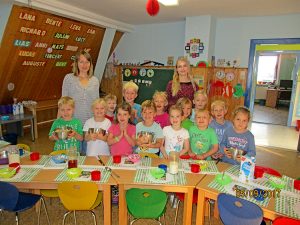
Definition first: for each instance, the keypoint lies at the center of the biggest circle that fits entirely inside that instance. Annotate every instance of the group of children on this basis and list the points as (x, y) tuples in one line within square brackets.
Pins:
[(194, 131)]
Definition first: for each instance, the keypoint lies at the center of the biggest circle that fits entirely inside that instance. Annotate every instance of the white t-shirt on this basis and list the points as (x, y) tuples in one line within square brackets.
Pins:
[(174, 139), (97, 147)]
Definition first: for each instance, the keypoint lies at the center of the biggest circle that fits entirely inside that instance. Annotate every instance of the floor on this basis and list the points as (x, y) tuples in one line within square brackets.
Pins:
[(268, 115), (284, 160)]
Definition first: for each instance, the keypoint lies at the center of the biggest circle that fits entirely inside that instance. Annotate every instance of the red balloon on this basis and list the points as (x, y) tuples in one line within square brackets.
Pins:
[(152, 7)]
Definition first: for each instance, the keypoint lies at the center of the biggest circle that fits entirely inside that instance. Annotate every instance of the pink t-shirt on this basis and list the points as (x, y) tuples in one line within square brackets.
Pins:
[(122, 147), (163, 119)]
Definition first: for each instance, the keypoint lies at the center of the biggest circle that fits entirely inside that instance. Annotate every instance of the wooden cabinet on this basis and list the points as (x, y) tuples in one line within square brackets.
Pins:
[(271, 100)]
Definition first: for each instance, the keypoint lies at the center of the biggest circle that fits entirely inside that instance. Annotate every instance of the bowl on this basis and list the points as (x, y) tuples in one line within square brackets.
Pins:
[(157, 173), (61, 158), (186, 156), (145, 137), (277, 182), (223, 179), (97, 131), (5, 118), (203, 164), (236, 152), (3, 157), (134, 158), (74, 172), (62, 133), (7, 172), (15, 166)]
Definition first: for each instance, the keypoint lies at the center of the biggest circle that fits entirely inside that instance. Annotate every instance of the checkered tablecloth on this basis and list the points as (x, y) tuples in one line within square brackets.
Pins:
[(144, 162), (24, 175), (184, 164), (144, 176)]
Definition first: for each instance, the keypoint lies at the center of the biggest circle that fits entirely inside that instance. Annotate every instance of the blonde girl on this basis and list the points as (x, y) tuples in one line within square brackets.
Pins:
[(160, 101)]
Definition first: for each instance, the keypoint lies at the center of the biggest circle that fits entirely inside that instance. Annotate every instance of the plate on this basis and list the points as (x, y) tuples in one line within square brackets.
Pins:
[(157, 173), (59, 159), (7, 172), (277, 182), (223, 179)]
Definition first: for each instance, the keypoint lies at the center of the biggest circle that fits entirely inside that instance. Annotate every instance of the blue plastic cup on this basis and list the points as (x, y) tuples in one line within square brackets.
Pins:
[(21, 151), (164, 167)]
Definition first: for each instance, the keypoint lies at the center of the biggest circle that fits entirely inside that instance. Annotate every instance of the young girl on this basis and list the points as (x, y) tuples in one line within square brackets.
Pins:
[(186, 106), (176, 138), (96, 141), (111, 101), (200, 102), (238, 136), (121, 136), (161, 102)]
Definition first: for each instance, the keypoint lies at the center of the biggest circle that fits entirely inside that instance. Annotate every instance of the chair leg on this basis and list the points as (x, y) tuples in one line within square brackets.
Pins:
[(17, 218), (164, 218), (65, 216), (46, 211), (75, 217), (134, 219), (94, 217), (176, 212)]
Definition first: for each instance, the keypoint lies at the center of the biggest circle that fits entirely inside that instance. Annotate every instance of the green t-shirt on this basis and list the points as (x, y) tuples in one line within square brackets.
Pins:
[(187, 123), (201, 141), (75, 124)]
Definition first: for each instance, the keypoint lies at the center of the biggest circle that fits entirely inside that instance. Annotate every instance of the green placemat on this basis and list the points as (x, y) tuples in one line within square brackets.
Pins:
[(62, 176), (184, 164), (144, 162), (234, 170), (24, 175), (43, 160), (287, 205), (144, 176), (52, 165)]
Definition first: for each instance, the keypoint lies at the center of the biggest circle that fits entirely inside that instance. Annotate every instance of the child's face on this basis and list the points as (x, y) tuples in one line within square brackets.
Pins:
[(240, 122), (99, 111), (129, 95), (148, 115), (160, 103), (219, 112), (66, 111), (202, 120), (200, 102), (187, 109), (123, 116), (175, 118), (111, 105)]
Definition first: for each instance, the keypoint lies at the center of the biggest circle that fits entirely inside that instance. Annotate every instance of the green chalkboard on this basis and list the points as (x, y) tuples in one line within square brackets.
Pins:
[(148, 79)]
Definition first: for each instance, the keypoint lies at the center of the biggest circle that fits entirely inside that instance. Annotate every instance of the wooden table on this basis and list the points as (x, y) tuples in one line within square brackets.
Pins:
[(45, 179), (126, 181)]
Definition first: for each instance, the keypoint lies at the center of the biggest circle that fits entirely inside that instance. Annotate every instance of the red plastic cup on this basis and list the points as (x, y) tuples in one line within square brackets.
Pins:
[(72, 163), (258, 172), (297, 184), (116, 159), (195, 168), (15, 165), (35, 156), (96, 175)]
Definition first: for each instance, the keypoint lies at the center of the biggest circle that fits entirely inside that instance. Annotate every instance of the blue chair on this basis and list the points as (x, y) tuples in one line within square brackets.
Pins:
[(12, 200), (237, 211)]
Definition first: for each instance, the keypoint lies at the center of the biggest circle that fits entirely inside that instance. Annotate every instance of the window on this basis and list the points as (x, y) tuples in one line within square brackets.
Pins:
[(267, 69)]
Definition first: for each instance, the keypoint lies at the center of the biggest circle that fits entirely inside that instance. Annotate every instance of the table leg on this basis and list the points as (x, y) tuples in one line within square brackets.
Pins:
[(200, 208), (107, 204), (32, 130), (1, 135), (122, 206), (188, 206)]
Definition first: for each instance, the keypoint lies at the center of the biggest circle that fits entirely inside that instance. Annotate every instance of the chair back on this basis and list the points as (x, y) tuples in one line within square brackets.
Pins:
[(285, 221), (78, 195), (9, 196), (237, 211)]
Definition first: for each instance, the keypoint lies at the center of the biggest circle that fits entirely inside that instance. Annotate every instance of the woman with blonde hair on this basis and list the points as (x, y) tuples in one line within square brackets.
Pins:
[(182, 84)]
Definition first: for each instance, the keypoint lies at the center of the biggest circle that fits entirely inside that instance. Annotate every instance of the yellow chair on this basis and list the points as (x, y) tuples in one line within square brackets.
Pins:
[(147, 154), (79, 196)]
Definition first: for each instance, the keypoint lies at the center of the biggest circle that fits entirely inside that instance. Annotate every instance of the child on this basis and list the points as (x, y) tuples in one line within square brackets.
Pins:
[(204, 141), (130, 90), (111, 101), (186, 106), (96, 141), (66, 106), (161, 102), (146, 148), (238, 136), (176, 138), (121, 136), (200, 102)]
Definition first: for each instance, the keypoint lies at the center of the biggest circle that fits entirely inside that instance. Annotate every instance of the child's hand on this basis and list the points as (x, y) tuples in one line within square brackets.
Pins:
[(54, 136), (192, 154), (71, 134), (200, 157), (238, 158), (217, 155), (165, 155), (227, 153)]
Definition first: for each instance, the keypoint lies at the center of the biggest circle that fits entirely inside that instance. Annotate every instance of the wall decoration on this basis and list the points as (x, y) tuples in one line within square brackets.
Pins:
[(220, 62), (170, 61), (143, 72), (202, 64), (220, 74), (199, 80), (134, 72), (194, 48), (150, 73), (127, 72), (152, 7), (238, 91), (228, 90), (229, 76)]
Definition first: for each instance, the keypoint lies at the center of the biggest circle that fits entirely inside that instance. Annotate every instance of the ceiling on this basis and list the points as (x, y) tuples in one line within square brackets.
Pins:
[(134, 11)]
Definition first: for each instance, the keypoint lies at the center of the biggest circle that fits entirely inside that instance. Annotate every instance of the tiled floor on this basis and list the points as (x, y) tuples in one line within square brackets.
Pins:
[(269, 115)]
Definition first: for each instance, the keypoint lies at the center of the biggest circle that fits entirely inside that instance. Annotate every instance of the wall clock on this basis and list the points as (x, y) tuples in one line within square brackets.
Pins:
[(220, 74), (229, 76)]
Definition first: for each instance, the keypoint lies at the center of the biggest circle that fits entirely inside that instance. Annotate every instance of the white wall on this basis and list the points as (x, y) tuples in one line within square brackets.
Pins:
[(232, 38), (5, 8)]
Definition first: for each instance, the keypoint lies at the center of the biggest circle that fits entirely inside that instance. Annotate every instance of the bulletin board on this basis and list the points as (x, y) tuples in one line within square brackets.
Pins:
[(38, 50)]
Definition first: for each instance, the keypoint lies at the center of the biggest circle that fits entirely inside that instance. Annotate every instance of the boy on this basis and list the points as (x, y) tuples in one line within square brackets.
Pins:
[(186, 106), (146, 147), (200, 102), (203, 139), (66, 106), (130, 90), (111, 101)]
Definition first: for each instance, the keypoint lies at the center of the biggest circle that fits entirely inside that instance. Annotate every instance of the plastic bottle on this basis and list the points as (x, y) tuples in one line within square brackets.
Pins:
[(21, 108), (15, 107)]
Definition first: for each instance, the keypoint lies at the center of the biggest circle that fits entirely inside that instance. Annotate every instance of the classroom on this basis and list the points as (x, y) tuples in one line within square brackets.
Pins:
[(150, 113)]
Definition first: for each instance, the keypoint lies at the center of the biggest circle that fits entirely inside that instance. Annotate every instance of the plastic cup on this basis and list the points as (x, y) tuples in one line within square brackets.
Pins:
[(258, 172), (35, 156), (195, 168), (164, 167), (96, 175), (116, 159), (72, 163), (297, 184), (21, 151)]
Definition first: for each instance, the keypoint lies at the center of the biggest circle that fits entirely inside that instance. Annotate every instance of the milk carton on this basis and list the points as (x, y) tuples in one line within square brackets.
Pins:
[(247, 168)]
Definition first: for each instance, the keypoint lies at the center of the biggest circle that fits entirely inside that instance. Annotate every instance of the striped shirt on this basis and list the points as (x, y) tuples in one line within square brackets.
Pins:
[(83, 96)]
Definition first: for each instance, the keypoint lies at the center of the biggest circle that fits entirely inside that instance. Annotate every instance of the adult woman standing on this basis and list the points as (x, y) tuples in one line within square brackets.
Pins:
[(182, 84), (82, 86)]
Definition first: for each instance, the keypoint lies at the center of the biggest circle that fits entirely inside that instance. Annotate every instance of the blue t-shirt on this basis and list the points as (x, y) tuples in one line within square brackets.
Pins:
[(220, 128), (244, 141)]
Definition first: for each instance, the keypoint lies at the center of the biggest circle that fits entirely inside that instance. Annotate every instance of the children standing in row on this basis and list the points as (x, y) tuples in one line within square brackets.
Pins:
[(161, 102)]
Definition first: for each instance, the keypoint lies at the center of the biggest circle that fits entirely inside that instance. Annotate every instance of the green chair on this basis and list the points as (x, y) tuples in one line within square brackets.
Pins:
[(146, 204)]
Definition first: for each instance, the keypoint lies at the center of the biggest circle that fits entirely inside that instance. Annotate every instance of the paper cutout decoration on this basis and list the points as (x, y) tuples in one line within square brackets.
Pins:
[(216, 88), (127, 72), (143, 72), (152, 7), (134, 72), (230, 76), (202, 64), (220, 74), (238, 91), (150, 73), (194, 48), (228, 90)]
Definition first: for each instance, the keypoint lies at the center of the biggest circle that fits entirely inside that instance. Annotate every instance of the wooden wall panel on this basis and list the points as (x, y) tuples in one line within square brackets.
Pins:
[(44, 81)]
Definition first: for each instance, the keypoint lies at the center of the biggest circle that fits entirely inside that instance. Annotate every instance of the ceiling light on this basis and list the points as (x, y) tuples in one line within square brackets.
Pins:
[(169, 2)]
